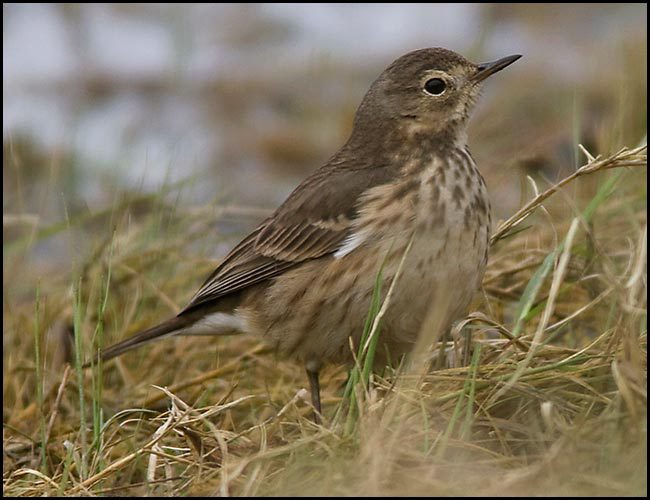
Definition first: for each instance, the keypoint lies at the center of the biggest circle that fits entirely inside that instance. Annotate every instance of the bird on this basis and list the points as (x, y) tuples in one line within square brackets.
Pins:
[(303, 279)]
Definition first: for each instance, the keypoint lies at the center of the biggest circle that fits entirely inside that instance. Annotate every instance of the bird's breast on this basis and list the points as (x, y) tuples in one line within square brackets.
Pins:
[(439, 199), (444, 210)]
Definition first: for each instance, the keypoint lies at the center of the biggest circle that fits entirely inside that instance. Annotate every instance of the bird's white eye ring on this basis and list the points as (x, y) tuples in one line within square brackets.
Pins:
[(435, 86)]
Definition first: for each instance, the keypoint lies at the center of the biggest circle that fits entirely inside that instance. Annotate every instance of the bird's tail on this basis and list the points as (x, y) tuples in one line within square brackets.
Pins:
[(167, 328)]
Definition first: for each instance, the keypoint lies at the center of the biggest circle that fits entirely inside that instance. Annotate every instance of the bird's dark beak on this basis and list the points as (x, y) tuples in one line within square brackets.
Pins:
[(486, 69)]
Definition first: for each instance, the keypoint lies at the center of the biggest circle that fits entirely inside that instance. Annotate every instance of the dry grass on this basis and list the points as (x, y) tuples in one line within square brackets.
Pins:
[(541, 390)]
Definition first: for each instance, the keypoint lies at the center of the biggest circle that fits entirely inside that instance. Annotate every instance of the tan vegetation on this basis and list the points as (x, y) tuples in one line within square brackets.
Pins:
[(541, 389)]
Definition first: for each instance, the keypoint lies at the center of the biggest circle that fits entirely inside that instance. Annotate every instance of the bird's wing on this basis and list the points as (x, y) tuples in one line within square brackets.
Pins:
[(313, 222)]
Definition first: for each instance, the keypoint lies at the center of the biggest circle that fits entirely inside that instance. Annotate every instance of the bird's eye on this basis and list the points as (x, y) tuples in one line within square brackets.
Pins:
[(435, 86)]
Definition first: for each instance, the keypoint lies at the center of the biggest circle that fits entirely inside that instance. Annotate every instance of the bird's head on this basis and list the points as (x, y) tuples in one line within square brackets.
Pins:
[(430, 91)]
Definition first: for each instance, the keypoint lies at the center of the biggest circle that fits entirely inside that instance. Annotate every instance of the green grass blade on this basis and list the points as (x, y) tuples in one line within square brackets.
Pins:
[(360, 373), (98, 341), (39, 381), (78, 341), (469, 408), (532, 289)]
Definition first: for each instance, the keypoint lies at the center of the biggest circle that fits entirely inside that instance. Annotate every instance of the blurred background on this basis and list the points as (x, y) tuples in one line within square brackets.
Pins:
[(141, 142), (238, 103)]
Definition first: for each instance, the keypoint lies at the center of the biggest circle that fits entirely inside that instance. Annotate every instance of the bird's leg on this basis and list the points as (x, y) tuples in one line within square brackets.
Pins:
[(315, 394)]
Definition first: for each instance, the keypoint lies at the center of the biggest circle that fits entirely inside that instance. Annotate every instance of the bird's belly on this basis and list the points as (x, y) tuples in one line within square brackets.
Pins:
[(439, 277)]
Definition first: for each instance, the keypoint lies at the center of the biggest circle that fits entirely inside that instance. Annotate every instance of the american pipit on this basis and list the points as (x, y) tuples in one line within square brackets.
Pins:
[(304, 278)]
